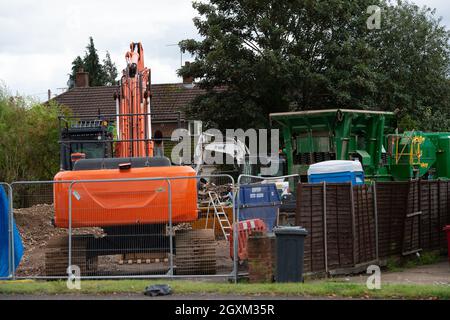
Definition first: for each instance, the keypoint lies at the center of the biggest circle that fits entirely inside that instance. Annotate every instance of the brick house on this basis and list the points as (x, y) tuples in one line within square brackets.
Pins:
[(168, 103)]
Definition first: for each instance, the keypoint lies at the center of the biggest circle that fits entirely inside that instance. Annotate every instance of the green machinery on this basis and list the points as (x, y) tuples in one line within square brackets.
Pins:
[(416, 154), (369, 136)]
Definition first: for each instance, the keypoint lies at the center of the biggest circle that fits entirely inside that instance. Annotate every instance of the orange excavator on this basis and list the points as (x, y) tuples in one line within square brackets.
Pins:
[(111, 184)]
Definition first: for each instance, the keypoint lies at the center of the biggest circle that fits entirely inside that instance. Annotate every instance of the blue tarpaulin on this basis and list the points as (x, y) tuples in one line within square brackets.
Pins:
[(4, 237), (259, 201)]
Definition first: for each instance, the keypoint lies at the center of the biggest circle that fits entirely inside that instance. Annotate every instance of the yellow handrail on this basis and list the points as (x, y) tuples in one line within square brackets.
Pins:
[(414, 152)]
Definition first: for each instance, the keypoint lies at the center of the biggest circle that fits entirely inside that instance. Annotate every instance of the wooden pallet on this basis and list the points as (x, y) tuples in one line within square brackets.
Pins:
[(57, 256), (143, 261), (195, 252)]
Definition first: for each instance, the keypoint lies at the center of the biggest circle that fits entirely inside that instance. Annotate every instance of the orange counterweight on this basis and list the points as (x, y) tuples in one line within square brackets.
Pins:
[(102, 204)]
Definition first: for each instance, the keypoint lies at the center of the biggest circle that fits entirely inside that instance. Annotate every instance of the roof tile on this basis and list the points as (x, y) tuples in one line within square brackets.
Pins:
[(167, 100)]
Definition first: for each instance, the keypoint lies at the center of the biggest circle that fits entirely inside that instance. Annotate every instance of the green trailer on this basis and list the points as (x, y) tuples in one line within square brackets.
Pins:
[(339, 134)]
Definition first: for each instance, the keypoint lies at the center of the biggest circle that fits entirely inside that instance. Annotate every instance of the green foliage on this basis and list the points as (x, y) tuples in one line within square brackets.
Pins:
[(77, 65), (99, 74), (258, 57), (28, 139), (412, 261), (110, 70)]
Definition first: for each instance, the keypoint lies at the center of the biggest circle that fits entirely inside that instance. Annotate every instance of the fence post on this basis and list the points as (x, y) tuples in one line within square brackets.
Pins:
[(11, 236), (352, 208), (235, 232), (325, 230), (70, 224), (375, 212), (10, 232), (439, 211), (171, 233)]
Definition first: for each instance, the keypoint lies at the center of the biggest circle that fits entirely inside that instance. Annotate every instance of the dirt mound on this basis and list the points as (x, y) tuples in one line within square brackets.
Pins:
[(35, 224), (36, 229)]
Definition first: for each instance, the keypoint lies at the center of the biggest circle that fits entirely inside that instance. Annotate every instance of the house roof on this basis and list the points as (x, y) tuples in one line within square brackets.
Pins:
[(167, 100)]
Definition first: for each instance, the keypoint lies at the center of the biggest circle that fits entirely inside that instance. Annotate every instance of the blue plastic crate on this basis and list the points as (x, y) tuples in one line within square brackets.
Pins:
[(355, 178), (337, 171)]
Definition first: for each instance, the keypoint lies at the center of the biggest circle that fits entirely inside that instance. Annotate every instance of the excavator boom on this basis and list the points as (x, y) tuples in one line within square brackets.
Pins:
[(133, 119)]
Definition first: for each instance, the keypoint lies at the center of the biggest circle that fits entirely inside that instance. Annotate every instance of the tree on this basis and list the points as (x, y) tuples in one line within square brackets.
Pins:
[(77, 65), (258, 57), (91, 62), (412, 65), (29, 136), (110, 70), (99, 75)]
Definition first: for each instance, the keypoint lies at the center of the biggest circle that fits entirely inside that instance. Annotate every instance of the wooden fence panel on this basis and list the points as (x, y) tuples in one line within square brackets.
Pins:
[(310, 216), (411, 216), (411, 238), (339, 218), (392, 208), (365, 239)]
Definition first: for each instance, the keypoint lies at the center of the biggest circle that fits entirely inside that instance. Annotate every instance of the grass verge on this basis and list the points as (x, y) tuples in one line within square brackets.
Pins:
[(316, 289), (412, 261)]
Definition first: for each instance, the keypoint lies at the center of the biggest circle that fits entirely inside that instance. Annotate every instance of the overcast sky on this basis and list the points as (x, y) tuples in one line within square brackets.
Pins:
[(39, 39)]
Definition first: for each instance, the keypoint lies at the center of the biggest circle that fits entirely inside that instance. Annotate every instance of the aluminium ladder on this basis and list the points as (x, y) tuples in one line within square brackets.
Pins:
[(219, 213)]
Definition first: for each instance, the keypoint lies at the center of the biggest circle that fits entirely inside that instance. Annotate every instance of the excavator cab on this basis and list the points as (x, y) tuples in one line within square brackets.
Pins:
[(84, 139)]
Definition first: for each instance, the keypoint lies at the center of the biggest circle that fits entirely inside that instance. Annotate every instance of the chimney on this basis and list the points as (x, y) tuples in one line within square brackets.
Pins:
[(187, 80), (82, 79), (49, 94)]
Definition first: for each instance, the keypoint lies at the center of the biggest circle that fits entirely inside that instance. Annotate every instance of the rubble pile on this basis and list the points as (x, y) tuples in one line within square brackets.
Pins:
[(36, 230), (224, 193)]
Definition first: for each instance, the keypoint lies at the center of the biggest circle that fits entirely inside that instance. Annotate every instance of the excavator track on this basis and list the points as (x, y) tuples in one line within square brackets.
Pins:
[(57, 256), (195, 252)]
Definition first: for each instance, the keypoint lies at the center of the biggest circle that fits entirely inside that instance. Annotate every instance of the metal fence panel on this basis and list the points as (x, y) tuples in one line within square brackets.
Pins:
[(109, 234), (117, 250), (260, 265), (33, 212), (170, 245)]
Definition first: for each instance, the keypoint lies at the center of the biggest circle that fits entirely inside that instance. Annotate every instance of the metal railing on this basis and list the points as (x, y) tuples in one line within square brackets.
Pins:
[(248, 180)]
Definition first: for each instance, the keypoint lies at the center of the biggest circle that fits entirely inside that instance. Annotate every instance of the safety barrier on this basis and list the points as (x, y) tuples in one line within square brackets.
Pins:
[(147, 229), (257, 181)]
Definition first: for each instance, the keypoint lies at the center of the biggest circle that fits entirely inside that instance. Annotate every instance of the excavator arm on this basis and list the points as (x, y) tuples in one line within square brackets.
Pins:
[(133, 119)]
